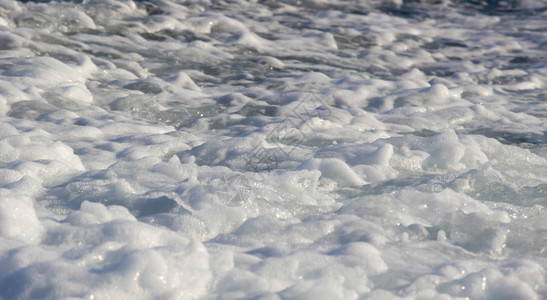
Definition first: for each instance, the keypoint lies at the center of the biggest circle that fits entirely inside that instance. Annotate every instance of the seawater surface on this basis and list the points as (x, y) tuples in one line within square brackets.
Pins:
[(273, 149)]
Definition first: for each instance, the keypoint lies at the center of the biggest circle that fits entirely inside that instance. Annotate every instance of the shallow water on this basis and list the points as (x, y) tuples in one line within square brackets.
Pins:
[(273, 149)]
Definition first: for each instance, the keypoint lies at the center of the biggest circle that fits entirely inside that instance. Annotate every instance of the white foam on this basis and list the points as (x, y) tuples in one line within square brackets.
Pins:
[(18, 219), (334, 169), (269, 150)]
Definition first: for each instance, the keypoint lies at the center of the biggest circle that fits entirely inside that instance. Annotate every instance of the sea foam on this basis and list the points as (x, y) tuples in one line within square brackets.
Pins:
[(270, 150)]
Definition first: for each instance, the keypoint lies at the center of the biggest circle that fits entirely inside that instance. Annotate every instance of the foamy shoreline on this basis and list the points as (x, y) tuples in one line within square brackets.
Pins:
[(273, 150)]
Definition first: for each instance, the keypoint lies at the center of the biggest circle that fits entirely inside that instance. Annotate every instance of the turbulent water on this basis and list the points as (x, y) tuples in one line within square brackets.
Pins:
[(306, 149)]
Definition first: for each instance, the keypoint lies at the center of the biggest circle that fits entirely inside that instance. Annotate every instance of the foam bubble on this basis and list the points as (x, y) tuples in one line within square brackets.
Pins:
[(18, 219), (334, 169)]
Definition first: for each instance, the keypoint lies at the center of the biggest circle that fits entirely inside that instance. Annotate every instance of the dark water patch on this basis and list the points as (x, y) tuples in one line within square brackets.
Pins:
[(251, 110), (48, 1), (523, 140), (405, 11), (353, 42), (150, 206), (425, 133), (144, 86), (30, 109), (502, 7), (444, 43), (420, 182), (524, 60)]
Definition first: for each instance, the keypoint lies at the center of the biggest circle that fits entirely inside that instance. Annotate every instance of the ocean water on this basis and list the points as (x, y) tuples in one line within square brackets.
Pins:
[(305, 149)]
